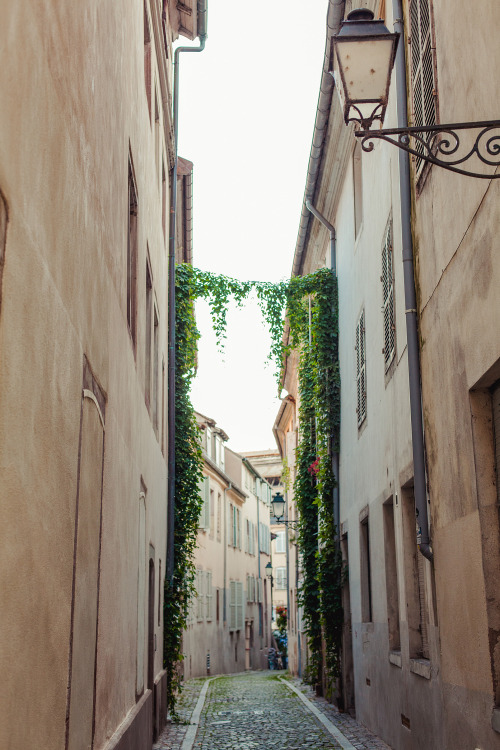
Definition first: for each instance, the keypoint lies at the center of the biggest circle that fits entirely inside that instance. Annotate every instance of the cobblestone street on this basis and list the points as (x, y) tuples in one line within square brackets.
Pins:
[(259, 710)]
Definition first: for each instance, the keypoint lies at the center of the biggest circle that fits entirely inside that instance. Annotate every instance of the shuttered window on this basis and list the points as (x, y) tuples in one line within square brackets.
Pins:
[(361, 369), (388, 298), (209, 595), (200, 594), (280, 578), (280, 542), (204, 522), (236, 606), (422, 69)]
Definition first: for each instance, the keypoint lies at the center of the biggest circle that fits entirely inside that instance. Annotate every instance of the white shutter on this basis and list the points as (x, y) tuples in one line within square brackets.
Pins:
[(240, 619), (239, 528), (361, 368), (232, 605), (209, 595), (259, 582), (200, 594), (281, 578), (388, 298)]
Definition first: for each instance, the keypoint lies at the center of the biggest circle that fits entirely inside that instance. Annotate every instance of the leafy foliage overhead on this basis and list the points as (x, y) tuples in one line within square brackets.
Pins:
[(310, 304)]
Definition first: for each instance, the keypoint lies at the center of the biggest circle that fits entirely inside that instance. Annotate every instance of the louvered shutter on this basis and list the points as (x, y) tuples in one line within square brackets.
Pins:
[(361, 369), (240, 623), (388, 298), (209, 595), (422, 69), (232, 605), (259, 582)]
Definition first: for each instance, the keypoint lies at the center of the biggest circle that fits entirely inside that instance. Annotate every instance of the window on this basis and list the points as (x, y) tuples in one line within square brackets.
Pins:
[(416, 596), (361, 369), (212, 513), (209, 594), (280, 542), (358, 188), (422, 70), (280, 578), (209, 442), (132, 252), (204, 522), (388, 298), (147, 59), (366, 573), (391, 577), (155, 369), (163, 197), (147, 352), (236, 606), (219, 516), (200, 594), (250, 589), (157, 137)]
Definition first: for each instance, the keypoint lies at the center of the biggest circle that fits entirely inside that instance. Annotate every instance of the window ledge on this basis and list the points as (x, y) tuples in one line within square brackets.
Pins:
[(422, 667), (395, 658), (495, 719)]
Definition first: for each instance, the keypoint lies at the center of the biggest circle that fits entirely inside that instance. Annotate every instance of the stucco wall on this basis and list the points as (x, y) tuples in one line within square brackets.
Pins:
[(457, 221), (73, 108)]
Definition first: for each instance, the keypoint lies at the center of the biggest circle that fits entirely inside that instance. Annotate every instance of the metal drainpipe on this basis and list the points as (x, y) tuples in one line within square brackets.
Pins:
[(417, 431), (335, 455), (224, 596), (202, 33)]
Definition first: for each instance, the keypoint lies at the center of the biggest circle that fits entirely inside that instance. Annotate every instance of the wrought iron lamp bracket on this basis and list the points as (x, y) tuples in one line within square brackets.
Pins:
[(441, 145), (292, 524)]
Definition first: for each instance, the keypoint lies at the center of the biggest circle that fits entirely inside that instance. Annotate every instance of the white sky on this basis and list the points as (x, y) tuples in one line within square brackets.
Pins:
[(246, 115)]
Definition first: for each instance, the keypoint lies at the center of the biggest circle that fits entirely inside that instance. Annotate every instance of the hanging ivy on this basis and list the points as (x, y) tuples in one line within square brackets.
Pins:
[(310, 303), (188, 474)]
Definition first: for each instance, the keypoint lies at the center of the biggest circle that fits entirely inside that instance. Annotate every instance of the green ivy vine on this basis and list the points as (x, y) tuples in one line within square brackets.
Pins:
[(310, 303)]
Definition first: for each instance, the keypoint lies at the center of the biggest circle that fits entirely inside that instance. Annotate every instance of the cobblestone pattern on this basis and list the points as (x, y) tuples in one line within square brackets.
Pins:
[(173, 734), (357, 734), (255, 710)]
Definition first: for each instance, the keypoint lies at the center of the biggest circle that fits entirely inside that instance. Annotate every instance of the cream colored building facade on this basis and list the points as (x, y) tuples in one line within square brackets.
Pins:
[(85, 158), (420, 650), (270, 466), (229, 623)]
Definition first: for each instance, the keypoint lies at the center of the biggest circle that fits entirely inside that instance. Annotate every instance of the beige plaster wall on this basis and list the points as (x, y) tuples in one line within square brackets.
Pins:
[(456, 226), (229, 651), (73, 107)]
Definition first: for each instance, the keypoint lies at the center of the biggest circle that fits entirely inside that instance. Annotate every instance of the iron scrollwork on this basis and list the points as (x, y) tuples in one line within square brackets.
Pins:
[(441, 145)]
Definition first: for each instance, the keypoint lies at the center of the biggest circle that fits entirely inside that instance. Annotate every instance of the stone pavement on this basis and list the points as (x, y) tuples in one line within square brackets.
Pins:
[(257, 710)]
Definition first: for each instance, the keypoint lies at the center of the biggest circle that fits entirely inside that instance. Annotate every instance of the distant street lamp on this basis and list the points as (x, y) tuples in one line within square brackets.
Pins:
[(278, 506), (269, 572), (364, 55)]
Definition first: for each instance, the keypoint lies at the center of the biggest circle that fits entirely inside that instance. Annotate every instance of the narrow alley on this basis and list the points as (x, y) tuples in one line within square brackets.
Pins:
[(261, 710)]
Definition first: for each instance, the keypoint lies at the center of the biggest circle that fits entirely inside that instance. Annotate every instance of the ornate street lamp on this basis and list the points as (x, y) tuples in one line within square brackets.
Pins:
[(278, 505), (364, 55)]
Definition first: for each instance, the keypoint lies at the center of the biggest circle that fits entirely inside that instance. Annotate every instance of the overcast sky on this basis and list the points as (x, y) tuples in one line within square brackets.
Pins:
[(246, 113)]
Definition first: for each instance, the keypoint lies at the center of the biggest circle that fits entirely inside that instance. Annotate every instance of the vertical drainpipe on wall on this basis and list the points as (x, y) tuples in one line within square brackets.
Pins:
[(202, 33), (417, 431), (224, 596), (335, 455)]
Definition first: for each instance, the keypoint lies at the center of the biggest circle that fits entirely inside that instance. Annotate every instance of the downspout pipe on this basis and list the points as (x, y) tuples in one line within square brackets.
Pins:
[(335, 455), (334, 18), (417, 431), (202, 33), (224, 594)]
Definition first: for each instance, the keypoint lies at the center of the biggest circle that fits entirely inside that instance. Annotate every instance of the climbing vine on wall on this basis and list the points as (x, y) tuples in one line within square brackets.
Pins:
[(310, 303)]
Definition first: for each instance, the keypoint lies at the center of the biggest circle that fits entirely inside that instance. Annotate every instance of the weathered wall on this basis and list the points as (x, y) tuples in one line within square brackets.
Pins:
[(246, 648), (457, 222), (74, 107)]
